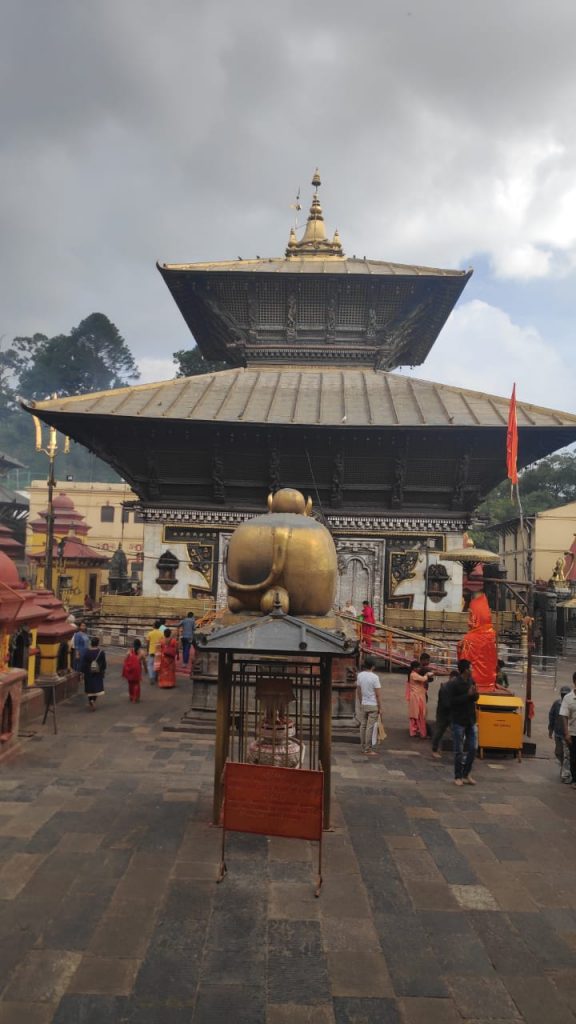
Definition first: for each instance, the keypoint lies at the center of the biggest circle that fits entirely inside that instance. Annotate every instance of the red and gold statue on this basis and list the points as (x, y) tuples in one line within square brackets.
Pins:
[(479, 644)]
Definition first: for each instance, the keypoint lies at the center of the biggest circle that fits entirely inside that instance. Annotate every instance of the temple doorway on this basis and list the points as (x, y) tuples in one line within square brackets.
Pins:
[(361, 566)]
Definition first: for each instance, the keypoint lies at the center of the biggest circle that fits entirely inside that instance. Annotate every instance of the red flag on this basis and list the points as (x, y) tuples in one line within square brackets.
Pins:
[(512, 441)]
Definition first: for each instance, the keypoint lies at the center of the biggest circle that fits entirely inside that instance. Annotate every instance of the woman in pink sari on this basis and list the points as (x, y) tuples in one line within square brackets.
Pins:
[(416, 697), (368, 624), (168, 654)]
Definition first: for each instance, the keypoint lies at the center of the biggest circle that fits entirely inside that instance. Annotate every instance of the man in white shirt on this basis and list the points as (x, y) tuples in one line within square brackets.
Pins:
[(568, 715), (370, 704)]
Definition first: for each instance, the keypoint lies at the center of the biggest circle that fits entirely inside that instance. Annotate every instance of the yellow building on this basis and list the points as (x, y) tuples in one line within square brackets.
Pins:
[(101, 507), (532, 554)]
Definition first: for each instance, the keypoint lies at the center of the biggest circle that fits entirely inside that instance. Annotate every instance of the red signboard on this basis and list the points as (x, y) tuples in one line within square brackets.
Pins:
[(273, 801)]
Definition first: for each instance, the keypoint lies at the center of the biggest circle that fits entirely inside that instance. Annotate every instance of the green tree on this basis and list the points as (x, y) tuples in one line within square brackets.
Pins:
[(191, 363), (93, 357), (547, 483)]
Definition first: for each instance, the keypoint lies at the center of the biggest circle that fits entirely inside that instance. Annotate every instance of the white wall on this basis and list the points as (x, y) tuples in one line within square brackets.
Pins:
[(453, 600), (154, 546)]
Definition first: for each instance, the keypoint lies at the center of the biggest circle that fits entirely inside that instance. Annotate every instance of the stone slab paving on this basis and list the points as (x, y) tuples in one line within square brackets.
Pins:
[(439, 904)]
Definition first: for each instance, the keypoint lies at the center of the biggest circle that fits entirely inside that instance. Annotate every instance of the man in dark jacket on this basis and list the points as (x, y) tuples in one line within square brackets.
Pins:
[(556, 732), (443, 713), (462, 696)]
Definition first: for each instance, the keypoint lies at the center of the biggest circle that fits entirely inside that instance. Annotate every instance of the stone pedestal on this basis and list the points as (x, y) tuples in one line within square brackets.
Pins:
[(11, 682)]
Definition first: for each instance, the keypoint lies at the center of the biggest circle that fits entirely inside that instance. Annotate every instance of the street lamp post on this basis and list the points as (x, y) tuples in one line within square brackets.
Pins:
[(51, 450)]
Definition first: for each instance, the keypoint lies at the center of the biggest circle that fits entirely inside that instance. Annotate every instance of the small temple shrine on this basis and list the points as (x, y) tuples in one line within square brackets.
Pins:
[(34, 642), (278, 644), (313, 399), (9, 544), (79, 568)]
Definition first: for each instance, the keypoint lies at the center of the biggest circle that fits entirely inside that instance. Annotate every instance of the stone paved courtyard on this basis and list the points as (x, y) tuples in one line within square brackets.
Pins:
[(439, 904)]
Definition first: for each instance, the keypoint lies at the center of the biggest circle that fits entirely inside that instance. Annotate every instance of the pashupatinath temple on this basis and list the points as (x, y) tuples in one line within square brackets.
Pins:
[(395, 465)]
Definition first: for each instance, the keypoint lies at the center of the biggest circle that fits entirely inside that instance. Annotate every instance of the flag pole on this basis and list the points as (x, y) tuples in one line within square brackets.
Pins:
[(512, 466)]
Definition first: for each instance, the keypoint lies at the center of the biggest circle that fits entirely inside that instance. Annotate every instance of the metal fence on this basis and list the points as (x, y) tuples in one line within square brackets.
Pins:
[(274, 713)]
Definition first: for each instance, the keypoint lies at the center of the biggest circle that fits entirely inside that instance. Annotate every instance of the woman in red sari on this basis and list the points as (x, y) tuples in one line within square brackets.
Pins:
[(368, 624), (168, 654)]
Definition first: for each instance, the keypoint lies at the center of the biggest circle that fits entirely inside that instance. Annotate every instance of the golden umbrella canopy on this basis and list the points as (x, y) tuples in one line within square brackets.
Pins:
[(470, 554)]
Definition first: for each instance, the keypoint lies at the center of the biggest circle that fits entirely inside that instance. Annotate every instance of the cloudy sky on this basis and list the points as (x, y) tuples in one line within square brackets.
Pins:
[(180, 130)]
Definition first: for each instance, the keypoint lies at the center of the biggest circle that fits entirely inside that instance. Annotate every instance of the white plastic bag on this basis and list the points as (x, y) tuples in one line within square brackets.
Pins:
[(375, 734)]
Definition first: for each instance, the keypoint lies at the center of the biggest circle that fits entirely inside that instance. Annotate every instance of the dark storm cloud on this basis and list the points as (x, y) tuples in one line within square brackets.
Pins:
[(178, 130)]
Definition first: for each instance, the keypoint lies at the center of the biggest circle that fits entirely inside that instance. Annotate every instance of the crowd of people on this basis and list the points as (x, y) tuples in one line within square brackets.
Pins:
[(456, 708), (157, 660)]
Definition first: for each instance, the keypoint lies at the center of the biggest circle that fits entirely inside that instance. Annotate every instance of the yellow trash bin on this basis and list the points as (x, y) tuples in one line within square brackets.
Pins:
[(500, 722)]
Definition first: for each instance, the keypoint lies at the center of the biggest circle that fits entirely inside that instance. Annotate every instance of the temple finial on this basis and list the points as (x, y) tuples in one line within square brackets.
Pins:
[(314, 242), (292, 241)]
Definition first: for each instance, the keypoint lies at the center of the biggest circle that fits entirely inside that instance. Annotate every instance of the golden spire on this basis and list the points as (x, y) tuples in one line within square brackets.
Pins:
[(314, 242)]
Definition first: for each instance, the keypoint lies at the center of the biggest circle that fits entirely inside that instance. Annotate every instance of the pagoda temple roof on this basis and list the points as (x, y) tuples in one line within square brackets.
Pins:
[(8, 462), (304, 265), (314, 304), (301, 396)]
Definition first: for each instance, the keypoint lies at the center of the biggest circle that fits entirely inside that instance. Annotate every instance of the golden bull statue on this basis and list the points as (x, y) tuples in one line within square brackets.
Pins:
[(283, 555)]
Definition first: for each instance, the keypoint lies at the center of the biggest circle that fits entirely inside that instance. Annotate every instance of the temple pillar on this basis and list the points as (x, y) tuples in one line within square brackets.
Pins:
[(222, 730), (325, 732)]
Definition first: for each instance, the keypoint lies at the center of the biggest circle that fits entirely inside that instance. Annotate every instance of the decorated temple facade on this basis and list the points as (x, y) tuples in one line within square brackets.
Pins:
[(311, 400)]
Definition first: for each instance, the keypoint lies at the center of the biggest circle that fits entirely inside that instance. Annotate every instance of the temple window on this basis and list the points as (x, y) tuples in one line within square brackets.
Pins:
[(167, 566), (436, 580), (125, 515), (107, 514)]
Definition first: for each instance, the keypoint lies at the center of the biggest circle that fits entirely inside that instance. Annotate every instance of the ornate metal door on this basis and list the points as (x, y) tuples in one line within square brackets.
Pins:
[(361, 569)]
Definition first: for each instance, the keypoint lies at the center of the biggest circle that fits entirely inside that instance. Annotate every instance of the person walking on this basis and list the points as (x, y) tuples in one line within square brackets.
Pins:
[(154, 638), (168, 655), (443, 713), (370, 704), (568, 714), (187, 629), (416, 697), (368, 624), (556, 732), (132, 670), (502, 675), (80, 644), (94, 669), (424, 669), (462, 695)]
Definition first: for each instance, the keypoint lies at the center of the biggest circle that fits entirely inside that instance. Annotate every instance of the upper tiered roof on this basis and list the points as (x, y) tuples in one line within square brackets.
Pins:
[(314, 304)]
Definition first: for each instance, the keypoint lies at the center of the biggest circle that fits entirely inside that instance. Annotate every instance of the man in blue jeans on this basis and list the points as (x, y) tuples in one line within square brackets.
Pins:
[(187, 630), (462, 695)]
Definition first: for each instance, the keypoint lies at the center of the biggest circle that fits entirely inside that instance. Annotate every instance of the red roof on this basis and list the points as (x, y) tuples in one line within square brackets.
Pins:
[(19, 605), (74, 551), (66, 518), (8, 542)]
